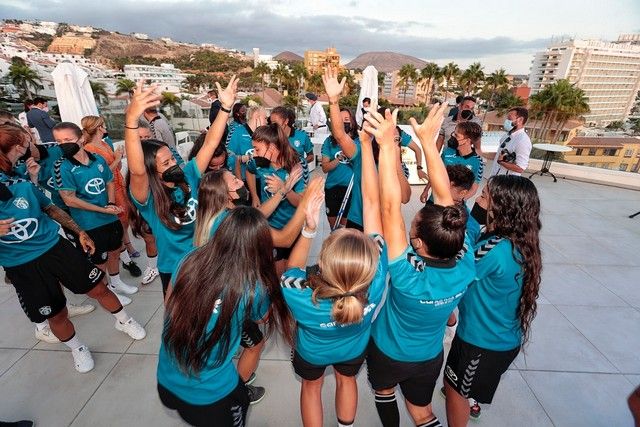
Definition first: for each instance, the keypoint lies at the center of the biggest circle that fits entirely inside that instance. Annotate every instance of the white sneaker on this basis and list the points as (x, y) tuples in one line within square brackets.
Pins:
[(77, 310), (131, 328), (122, 288), (149, 275), (46, 335), (124, 300), (82, 359)]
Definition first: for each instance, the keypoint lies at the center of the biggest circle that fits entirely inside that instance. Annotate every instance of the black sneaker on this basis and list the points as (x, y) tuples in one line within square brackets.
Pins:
[(256, 394), (132, 268), (475, 411)]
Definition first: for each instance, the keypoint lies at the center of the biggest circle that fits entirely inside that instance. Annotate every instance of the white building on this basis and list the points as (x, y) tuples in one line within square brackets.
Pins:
[(140, 36), (608, 73), (168, 77), (267, 59)]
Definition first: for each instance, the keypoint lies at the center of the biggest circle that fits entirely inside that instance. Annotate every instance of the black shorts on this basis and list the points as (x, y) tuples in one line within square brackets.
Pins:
[(165, 278), (107, 238), (251, 334), (475, 372), (310, 372), (333, 198), (417, 379), (229, 411), (37, 282), (351, 224)]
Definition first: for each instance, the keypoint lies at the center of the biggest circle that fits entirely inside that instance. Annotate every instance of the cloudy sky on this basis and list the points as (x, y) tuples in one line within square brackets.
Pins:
[(497, 33)]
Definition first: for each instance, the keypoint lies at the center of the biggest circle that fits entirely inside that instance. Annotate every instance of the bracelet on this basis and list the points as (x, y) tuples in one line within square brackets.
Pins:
[(111, 204), (226, 110), (419, 167), (334, 102), (129, 127), (309, 234)]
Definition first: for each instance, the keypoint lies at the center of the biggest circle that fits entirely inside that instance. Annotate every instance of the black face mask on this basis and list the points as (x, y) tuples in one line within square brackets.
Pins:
[(5, 193), (479, 214), (261, 161), (347, 127), (243, 197), (69, 149), (174, 174), (453, 142), (466, 114), (25, 156)]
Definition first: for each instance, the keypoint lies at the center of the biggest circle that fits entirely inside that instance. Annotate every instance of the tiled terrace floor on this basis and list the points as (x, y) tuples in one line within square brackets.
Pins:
[(582, 361)]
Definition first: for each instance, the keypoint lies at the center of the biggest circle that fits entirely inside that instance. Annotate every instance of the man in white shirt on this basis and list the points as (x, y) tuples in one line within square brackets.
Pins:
[(317, 116), (512, 157)]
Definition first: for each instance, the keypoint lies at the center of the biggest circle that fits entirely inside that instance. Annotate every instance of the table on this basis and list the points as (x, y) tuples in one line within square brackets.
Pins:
[(549, 149)]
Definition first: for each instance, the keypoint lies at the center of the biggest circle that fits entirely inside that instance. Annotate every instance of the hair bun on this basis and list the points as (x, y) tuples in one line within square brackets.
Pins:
[(453, 218)]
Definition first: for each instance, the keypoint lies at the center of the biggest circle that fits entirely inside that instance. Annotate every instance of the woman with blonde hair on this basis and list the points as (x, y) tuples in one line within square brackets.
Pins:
[(334, 309)]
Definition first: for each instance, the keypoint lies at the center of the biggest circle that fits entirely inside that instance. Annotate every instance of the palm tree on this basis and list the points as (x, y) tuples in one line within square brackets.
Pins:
[(125, 86), (381, 77), (24, 78), (281, 73), (300, 73), (428, 75), (99, 92), (170, 100), (450, 72), (471, 77), (262, 69), (407, 75), (349, 84), (314, 83), (495, 81)]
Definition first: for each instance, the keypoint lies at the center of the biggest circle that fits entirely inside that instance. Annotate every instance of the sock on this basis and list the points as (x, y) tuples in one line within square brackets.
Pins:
[(42, 325), (345, 424), (73, 342), (434, 422), (124, 256), (387, 408), (114, 278), (152, 261), (121, 315)]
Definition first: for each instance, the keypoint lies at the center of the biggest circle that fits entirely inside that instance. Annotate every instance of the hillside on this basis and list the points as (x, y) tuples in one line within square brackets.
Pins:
[(288, 56), (384, 61), (116, 45)]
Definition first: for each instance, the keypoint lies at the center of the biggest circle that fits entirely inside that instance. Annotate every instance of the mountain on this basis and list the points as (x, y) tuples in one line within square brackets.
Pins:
[(384, 61), (287, 56)]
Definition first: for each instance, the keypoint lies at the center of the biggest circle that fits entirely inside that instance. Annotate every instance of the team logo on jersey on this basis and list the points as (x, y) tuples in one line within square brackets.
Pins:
[(45, 310), (50, 182), (95, 186), (296, 143), (250, 152), (21, 203), (340, 157), (101, 168), (21, 230), (190, 216)]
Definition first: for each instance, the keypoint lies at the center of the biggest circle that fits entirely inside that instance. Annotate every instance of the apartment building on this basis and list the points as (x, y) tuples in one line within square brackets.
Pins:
[(393, 91), (168, 77), (74, 45), (315, 61), (616, 153), (608, 73)]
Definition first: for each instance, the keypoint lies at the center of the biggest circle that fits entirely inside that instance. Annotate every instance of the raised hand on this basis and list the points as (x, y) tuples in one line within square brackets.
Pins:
[(332, 87), (312, 210), (33, 168), (427, 132), (142, 99), (293, 178), (365, 138), (273, 183), (228, 96), (382, 128)]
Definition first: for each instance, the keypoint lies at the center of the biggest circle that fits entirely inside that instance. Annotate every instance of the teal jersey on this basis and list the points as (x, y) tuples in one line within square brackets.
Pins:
[(90, 185), (342, 174), (32, 232), (174, 244), (300, 142), (285, 210), (355, 210), (50, 159), (320, 340), (489, 309), (405, 139), (473, 227), (472, 161), (213, 382), (240, 145), (422, 294)]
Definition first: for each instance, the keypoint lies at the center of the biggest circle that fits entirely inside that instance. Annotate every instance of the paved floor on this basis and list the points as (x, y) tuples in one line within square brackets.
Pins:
[(582, 361)]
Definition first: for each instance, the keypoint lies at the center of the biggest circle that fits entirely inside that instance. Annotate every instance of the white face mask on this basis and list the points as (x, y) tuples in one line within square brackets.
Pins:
[(45, 108)]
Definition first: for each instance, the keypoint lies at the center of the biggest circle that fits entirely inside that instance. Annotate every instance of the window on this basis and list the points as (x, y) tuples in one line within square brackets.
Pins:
[(579, 151), (628, 152), (624, 166), (592, 151), (609, 151)]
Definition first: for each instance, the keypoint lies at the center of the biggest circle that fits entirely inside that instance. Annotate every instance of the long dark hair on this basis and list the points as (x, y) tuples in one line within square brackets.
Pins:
[(220, 149), (354, 126), (207, 280), (170, 212), (272, 134), (514, 213), (442, 229)]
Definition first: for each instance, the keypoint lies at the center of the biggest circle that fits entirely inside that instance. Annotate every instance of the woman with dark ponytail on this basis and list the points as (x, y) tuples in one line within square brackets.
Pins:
[(429, 272), (497, 311)]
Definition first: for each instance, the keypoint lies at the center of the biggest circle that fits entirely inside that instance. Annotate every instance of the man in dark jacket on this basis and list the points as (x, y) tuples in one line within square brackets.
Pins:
[(38, 117)]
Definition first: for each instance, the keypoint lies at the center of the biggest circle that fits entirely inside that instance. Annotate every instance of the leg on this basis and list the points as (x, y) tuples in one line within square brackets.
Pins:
[(420, 414), (387, 407), (248, 361), (457, 407), (346, 398), (107, 299), (61, 326), (113, 262), (311, 402)]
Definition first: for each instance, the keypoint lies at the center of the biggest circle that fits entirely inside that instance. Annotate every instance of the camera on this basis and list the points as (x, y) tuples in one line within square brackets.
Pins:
[(507, 156)]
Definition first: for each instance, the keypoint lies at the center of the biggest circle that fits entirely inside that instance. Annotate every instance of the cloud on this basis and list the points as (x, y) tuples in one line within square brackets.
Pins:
[(248, 24)]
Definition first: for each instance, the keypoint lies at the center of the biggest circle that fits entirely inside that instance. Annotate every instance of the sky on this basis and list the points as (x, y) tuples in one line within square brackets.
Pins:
[(497, 33)]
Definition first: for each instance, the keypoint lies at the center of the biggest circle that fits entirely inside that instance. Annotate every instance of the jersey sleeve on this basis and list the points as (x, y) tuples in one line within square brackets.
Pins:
[(308, 145), (234, 143), (326, 148), (64, 179), (405, 268), (295, 289), (405, 139), (231, 161), (479, 169), (261, 303), (487, 259)]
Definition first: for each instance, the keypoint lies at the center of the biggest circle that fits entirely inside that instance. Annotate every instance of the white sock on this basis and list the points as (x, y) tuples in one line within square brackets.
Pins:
[(124, 256), (114, 278), (42, 325), (73, 343), (340, 424), (121, 316), (152, 261)]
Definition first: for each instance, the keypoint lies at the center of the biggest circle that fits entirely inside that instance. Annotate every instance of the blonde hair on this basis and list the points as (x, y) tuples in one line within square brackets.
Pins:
[(213, 195), (253, 110), (348, 262), (90, 125)]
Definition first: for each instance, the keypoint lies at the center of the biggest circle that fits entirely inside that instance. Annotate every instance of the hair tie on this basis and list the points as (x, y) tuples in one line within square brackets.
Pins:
[(347, 294)]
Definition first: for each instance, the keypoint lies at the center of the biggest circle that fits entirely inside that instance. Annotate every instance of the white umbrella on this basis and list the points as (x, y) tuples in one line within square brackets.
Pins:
[(368, 89), (73, 93)]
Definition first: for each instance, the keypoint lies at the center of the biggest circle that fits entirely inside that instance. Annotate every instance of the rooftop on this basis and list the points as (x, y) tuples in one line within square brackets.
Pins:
[(602, 141), (581, 363)]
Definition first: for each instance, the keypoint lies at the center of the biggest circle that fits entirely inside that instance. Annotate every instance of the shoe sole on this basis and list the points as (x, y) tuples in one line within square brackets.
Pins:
[(80, 313), (57, 341), (125, 332), (259, 400)]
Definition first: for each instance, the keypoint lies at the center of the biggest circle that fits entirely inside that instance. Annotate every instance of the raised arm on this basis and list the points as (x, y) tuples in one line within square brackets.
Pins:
[(216, 130), (418, 153), (142, 99), (427, 133), (333, 88), (370, 193), (300, 251)]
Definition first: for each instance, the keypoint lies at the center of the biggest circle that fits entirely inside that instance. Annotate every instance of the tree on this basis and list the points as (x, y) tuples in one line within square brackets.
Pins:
[(471, 77), (24, 78), (428, 76), (281, 73), (300, 74), (495, 81), (170, 100), (125, 86), (408, 75), (262, 69), (617, 125), (314, 83), (450, 72), (506, 100), (350, 82), (381, 77), (99, 92)]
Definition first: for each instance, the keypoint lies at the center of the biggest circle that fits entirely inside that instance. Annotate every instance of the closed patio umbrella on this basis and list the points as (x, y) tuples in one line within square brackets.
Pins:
[(73, 93)]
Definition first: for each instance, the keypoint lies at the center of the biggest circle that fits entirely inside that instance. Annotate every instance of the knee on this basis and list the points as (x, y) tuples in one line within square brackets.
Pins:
[(314, 386), (99, 291)]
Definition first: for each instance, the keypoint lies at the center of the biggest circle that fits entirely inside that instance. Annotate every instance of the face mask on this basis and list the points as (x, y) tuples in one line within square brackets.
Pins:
[(262, 162), (174, 174), (5, 193), (243, 197), (466, 114), (69, 149), (479, 214), (347, 127), (508, 125), (25, 156), (45, 109), (453, 142)]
